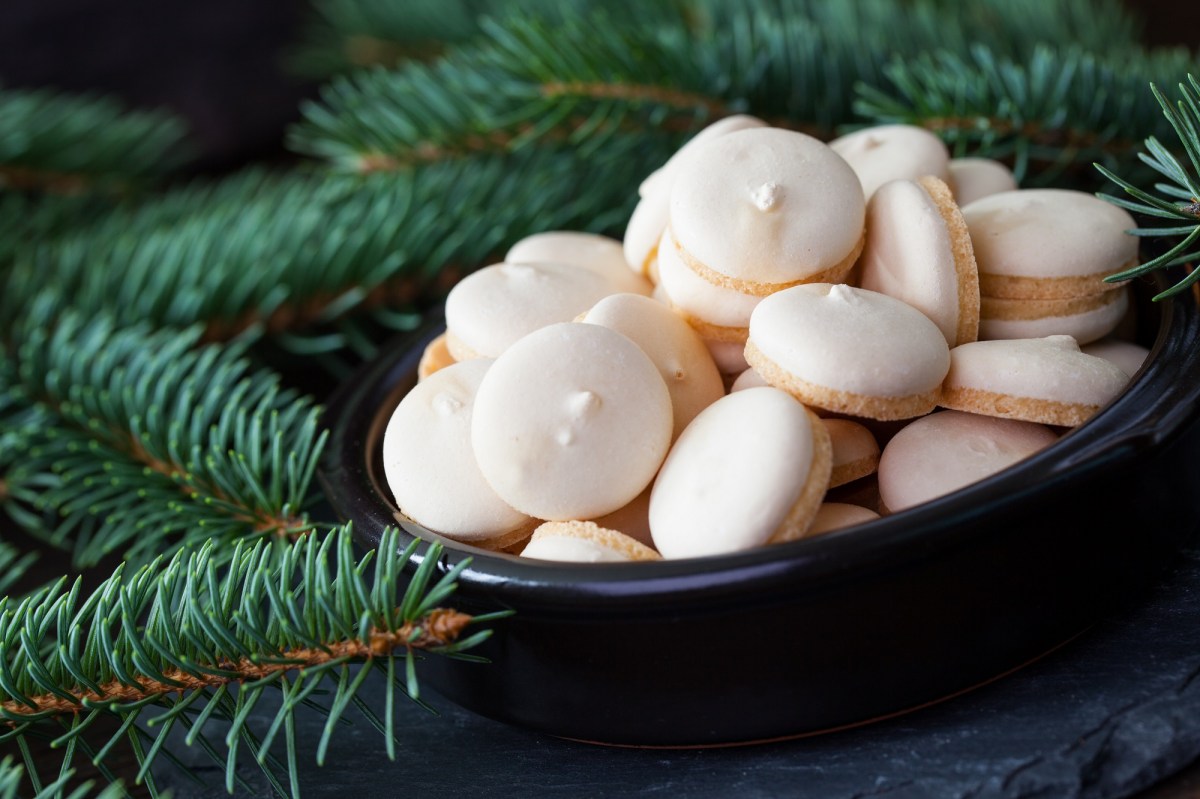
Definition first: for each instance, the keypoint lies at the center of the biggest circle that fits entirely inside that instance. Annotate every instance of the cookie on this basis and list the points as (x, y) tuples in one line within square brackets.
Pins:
[(571, 422), (430, 465), (836, 515), (918, 250), (892, 152), (855, 451), (748, 379), (1047, 380), (584, 542), (1085, 318), (1126, 355), (436, 356), (1045, 244), (760, 210), (973, 179), (677, 351), (717, 313), (598, 254), (491, 309), (632, 520), (849, 350), (949, 450), (749, 470), (729, 356)]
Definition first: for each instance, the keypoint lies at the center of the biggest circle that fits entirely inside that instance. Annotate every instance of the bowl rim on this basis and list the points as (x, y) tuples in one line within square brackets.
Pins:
[(1159, 400)]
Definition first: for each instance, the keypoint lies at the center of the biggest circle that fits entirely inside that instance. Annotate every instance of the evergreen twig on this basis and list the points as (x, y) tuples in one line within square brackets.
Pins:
[(131, 441), (1178, 196), (179, 636), (69, 144)]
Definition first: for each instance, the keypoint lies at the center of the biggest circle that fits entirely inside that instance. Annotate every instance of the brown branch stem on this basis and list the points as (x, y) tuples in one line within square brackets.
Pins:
[(441, 627)]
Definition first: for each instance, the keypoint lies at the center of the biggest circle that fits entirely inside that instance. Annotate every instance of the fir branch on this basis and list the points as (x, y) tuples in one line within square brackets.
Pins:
[(12, 775), (177, 636), (132, 441), (295, 255), (69, 144), (1178, 198), (1056, 109), (13, 564), (660, 69)]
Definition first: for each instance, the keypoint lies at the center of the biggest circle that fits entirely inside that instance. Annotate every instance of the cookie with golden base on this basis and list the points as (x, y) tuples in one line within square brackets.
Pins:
[(1125, 354), (584, 542), (836, 515), (918, 250), (436, 356), (892, 152), (855, 451), (590, 251), (757, 211), (1045, 244), (849, 350), (949, 450), (749, 470), (1085, 318), (973, 179), (717, 313), (1047, 380)]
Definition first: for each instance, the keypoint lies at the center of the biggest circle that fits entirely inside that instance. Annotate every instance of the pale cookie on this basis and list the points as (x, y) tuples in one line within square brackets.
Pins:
[(430, 466), (892, 152), (1047, 380), (1126, 355), (855, 451), (836, 515), (919, 250), (436, 356), (748, 379), (749, 470), (760, 210), (584, 542), (717, 313), (494, 307), (598, 254), (729, 356), (677, 351), (973, 179), (946, 451), (650, 217), (633, 520), (571, 422), (1046, 244), (1084, 318), (849, 350)]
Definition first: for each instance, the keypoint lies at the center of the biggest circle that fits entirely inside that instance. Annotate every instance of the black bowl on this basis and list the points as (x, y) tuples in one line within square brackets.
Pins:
[(826, 632)]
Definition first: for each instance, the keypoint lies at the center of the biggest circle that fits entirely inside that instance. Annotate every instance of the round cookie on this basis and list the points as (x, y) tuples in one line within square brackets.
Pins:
[(1084, 318), (849, 350), (677, 352), (946, 451), (1048, 244), (652, 213), (1047, 380), (598, 254), (717, 313), (892, 152), (729, 356), (430, 466), (759, 210), (632, 520), (748, 379), (973, 179), (919, 250), (1126, 355), (584, 542), (855, 451), (749, 470), (491, 309), (836, 515), (571, 422), (436, 356)]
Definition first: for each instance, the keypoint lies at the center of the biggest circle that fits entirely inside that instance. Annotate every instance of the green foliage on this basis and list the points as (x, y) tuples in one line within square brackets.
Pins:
[(69, 143), (1178, 198), (13, 564), (12, 775), (202, 637), (664, 70), (1056, 109), (135, 441)]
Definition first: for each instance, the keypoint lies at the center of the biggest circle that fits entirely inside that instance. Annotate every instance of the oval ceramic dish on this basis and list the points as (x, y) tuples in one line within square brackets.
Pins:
[(820, 633)]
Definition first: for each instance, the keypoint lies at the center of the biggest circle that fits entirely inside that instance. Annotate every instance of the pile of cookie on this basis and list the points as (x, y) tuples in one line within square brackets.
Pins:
[(780, 308)]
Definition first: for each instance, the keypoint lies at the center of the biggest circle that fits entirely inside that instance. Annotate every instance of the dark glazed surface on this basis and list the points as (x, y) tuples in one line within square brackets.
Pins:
[(826, 632)]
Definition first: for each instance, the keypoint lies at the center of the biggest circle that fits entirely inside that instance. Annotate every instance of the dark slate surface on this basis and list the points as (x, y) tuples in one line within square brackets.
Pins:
[(1108, 715)]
